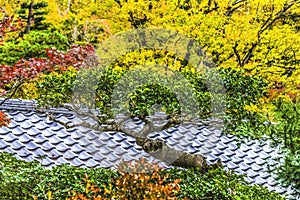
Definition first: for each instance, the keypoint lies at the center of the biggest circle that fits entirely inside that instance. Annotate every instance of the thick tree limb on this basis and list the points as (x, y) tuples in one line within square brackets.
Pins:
[(156, 148)]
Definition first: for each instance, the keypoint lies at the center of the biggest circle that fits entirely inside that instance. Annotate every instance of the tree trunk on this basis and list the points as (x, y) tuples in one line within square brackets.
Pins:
[(30, 16)]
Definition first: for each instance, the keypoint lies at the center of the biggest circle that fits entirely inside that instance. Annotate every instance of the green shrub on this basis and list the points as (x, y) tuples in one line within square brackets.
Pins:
[(135, 181), (241, 90), (32, 45), (288, 172), (56, 87), (25, 180), (218, 184)]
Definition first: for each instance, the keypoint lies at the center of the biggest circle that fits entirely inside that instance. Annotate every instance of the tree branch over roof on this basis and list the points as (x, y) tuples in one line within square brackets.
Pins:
[(157, 148), (266, 25)]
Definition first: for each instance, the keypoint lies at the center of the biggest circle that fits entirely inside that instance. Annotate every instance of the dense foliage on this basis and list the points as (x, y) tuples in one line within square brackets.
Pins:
[(55, 88), (32, 45), (254, 44), (25, 180)]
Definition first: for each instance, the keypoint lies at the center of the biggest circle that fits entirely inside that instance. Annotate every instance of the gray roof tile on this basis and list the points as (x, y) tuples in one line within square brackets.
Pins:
[(76, 148), (32, 146), (53, 153), (76, 162), (3, 144), (264, 175), (105, 136), (91, 163), (260, 161), (224, 158), (24, 138), (91, 149), (112, 157), (177, 135), (248, 160), (91, 136), (106, 164), (47, 162), (83, 142), (249, 180), (195, 143), (47, 146), (235, 159), (19, 117), (120, 151), (9, 137), (126, 145), (221, 146), (201, 138), (192, 150), (41, 125), (62, 134), (33, 132), (212, 158), (84, 155), (69, 155), (112, 144), (23, 152), (264, 155), (62, 147), (26, 125), (16, 145), (240, 153), (189, 136), (38, 153), (55, 140), (252, 154), (245, 148), (217, 152), (61, 160), (229, 153), (105, 150), (4, 130), (69, 141), (251, 173), (244, 167), (98, 156), (39, 139), (231, 165), (256, 167)]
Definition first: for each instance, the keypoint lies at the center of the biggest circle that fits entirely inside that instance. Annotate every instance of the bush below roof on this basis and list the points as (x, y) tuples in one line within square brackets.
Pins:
[(25, 180)]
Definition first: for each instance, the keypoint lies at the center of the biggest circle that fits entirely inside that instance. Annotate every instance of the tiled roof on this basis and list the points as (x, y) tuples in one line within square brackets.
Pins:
[(32, 136)]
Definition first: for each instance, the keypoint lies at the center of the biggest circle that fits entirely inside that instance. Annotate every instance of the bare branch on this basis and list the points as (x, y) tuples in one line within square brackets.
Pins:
[(267, 24), (237, 54), (231, 10), (12, 91), (157, 148)]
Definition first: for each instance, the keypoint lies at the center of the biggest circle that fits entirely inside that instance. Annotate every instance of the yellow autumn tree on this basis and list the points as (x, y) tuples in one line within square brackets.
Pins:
[(259, 37)]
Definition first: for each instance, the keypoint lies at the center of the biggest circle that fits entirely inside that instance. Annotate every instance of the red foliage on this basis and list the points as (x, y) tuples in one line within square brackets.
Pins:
[(28, 69), (31, 68), (8, 24), (4, 120), (280, 89)]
